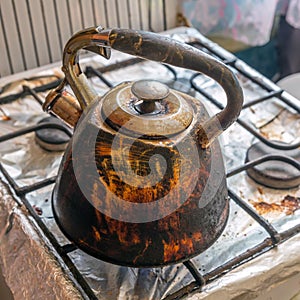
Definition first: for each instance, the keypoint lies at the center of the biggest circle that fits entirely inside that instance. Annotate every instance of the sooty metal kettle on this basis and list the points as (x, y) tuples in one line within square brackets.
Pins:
[(142, 182)]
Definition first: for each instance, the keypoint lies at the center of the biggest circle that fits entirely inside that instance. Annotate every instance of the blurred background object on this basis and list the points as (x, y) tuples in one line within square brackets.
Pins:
[(265, 33)]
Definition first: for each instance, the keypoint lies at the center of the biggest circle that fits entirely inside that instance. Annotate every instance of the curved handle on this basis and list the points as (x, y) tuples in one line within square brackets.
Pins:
[(157, 48)]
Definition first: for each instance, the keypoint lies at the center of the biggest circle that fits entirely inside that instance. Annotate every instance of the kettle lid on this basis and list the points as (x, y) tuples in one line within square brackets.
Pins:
[(148, 108)]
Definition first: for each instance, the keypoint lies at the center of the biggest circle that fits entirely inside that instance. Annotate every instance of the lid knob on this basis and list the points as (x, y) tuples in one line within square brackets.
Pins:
[(149, 93)]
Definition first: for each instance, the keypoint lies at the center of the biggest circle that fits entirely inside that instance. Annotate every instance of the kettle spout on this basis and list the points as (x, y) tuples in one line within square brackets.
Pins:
[(63, 105)]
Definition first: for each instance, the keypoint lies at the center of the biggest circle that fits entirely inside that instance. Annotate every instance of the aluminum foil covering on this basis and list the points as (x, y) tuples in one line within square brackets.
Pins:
[(23, 251), (29, 268)]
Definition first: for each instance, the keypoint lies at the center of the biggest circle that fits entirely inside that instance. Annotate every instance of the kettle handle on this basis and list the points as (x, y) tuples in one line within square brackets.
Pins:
[(154, 47)]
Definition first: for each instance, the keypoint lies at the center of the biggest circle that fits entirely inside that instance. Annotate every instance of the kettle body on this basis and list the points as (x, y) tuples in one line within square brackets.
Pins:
[(142, 182)]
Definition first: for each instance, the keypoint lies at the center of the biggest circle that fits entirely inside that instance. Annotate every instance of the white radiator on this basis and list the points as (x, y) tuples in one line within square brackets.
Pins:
[(34, 32)]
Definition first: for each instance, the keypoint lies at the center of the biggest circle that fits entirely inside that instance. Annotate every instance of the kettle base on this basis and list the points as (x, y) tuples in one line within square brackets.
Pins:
[(155, 261)]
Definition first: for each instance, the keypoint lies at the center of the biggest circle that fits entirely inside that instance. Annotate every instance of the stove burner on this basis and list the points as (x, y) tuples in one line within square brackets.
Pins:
[(52, 139), (273, 173)]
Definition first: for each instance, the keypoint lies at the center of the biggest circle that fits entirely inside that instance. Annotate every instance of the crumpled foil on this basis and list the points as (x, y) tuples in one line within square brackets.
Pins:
[(29, 269), (28, 163)]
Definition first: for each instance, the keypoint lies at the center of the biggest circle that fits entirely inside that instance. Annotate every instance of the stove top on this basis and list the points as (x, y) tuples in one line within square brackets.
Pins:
[(261, 153)]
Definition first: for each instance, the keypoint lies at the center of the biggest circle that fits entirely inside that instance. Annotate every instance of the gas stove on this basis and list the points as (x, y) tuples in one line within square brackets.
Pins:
[(262, 159)]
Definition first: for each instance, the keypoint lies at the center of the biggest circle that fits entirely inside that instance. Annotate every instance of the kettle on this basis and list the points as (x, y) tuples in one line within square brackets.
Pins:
[(142, 181)]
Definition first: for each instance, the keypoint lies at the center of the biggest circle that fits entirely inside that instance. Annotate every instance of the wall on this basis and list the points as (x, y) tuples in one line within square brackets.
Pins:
[(34, 32)]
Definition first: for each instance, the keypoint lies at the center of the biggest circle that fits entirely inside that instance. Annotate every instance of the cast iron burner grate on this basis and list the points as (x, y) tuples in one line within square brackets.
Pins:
[(200, 279)]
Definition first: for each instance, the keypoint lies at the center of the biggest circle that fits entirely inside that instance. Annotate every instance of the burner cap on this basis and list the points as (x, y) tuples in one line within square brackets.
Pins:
[(275, 174), (52, 139)]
